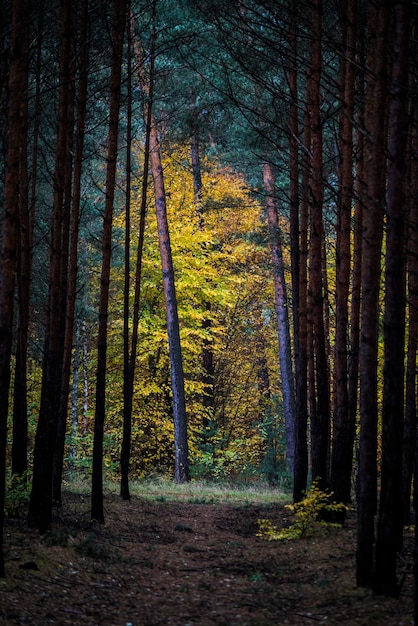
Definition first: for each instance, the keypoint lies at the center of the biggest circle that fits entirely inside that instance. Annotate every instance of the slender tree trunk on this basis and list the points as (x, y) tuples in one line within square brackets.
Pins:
[(40, 505), (24, 277), (181, 453), (72, 263), (389, 529), (208, 367), (283, 325), (298, 265), (320, 419), (127, 396), (374, 170), (343, 427), (20, 408), (181, 450), (9, 226), (125, 452), (410, 430), (301, 439), (118, 28)]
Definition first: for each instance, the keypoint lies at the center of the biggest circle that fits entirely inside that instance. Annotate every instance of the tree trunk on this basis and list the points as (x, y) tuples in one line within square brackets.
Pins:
[(208, 367), (181, 451), (320, 419), (70, 241), (283, 326), (9, 226), (125, 452), (118, 28), (20, 407), (374, 171), (410, 430), (389, 529), (40, 505), (298, 251), (343, 426), (24, 277), (301, 378)]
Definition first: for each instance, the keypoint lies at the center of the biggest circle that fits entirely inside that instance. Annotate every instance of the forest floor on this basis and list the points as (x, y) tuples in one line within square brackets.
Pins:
[(187, 562)]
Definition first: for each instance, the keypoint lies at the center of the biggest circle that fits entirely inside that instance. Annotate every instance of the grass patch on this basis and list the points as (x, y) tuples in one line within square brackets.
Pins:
[(200, 492), (161, 489)]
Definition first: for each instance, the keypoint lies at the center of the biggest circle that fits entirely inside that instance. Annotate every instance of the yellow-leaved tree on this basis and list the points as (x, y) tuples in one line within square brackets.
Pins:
[(225, 304)]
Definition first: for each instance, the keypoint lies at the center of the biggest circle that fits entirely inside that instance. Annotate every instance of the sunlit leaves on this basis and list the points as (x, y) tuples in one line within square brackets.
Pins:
[(222, 286)]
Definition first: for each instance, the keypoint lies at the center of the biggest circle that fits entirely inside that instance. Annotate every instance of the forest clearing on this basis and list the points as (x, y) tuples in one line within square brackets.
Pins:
[(188, 559)]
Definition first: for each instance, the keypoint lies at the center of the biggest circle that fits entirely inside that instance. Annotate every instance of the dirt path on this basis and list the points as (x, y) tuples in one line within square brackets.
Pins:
[(188, 564)]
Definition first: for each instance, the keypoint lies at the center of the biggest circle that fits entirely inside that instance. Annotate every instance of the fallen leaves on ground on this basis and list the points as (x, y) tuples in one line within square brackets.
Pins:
[(187, 564)]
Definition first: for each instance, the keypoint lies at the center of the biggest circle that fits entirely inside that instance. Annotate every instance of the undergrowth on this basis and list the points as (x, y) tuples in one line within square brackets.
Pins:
[(309, 516)]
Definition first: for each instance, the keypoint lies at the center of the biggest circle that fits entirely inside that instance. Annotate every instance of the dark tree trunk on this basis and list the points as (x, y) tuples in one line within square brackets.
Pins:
[(118, 28), (301, 378), (320, 418), (374, 172), (9, 226), (40, 505), (389, 528), (298, 251), (410, 430), (283, 325), (343, 426), (128, 376), (72, 264), (24, 275)]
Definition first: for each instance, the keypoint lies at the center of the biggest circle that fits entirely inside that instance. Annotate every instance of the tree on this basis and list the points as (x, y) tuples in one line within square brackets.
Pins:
[(181, 453), (320, 417), (280, 295), (374, 169), (24, 278), (298, 244), (390, 522), (71, 288), (9, 226), (40, 505), (118, 28), (131, 355), (344, 424)]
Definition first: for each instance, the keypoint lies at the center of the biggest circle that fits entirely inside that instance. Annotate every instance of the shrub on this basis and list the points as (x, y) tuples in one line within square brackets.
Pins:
[(17, 493), (309, 514)]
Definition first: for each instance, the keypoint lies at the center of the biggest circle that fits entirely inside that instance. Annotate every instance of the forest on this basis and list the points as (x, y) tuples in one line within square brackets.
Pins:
[(209, 255)]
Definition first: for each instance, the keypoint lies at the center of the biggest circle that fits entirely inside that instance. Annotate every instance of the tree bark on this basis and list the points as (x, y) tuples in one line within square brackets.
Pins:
[(410, 430), (40, 505), (181, 448), (343, 425), (374, 171), (389, 528), (320, 418), (9, 226), (301, 378), (71, 264), (283, 325), (24, 277), (118, 28), (125, 452)]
